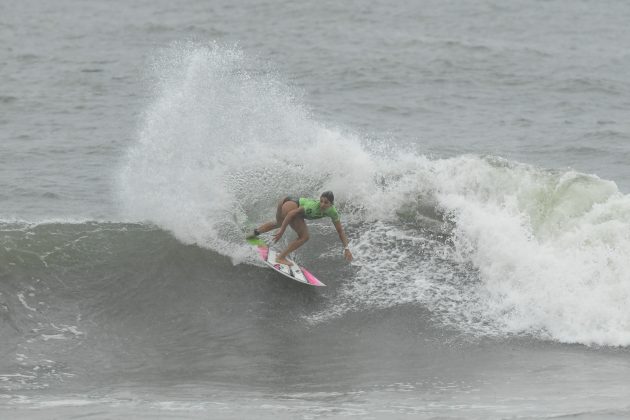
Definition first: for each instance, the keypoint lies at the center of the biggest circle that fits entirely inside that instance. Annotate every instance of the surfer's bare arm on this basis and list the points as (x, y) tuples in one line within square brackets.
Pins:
[(287, 220), (344, 240)]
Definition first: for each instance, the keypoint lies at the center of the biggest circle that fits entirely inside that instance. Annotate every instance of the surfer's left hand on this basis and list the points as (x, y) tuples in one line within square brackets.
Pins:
[(347, 254)]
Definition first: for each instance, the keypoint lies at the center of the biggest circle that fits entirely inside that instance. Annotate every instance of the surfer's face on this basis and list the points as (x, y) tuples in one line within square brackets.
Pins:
[(324, 203)]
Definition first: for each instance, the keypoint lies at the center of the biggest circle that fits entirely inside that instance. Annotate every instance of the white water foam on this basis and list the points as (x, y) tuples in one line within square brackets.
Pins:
[(551, 251), (528, 251), (487, 245)]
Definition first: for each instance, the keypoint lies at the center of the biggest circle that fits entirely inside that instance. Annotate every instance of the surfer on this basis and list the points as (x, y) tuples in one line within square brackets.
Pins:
[(293, 211)]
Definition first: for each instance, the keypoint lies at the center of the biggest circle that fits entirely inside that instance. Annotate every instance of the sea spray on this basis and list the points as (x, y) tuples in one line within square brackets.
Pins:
[(221, 141)]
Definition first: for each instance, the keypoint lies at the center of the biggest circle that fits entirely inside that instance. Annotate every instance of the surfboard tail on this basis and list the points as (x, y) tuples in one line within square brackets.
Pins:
[(256, 242)]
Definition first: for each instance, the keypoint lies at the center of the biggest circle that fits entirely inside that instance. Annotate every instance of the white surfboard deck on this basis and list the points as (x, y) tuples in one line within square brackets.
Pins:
[(294, 272)]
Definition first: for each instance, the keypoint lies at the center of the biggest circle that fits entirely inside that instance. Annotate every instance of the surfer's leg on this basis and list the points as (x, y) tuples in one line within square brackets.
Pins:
[(266, 227), (299, 226), (284, 206)]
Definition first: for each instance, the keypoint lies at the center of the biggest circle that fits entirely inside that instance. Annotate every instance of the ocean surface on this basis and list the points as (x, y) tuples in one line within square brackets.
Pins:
[(479, 152)]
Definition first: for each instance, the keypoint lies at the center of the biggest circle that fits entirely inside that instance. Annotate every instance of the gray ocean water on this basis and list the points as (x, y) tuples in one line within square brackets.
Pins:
[(479, 155)]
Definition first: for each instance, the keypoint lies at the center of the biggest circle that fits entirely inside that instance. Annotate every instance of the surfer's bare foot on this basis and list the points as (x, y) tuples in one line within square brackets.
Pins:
[(284, 261)]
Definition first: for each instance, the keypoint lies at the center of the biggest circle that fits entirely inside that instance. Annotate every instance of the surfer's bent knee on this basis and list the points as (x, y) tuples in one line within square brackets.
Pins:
[(302, 231)]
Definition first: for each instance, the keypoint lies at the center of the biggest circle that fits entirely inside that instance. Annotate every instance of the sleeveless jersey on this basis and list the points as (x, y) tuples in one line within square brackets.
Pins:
[(313, 211)]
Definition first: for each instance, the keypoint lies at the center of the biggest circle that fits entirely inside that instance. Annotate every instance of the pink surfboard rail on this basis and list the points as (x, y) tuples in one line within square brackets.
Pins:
[(311, 278)]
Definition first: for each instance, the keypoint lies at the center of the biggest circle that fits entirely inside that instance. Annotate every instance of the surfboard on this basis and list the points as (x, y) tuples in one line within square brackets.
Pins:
[(294, 272)]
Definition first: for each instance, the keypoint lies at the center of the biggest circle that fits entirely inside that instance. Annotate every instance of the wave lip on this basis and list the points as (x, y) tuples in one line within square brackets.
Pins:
[(550, 250)]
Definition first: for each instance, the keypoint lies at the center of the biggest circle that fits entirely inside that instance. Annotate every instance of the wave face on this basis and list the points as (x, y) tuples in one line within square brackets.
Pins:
[(490, 246)]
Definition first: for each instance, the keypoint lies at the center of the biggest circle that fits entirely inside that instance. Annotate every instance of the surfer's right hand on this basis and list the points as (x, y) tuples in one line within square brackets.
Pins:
[(278, 235)]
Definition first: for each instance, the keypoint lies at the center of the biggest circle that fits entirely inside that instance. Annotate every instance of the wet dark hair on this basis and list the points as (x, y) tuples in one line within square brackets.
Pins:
[(329, 195)]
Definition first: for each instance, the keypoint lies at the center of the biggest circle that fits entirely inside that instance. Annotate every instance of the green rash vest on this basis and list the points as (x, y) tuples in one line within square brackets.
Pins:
[(312, 210)]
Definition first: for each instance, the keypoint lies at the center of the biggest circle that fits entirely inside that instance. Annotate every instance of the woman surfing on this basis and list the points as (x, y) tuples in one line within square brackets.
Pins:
[(293, 212)]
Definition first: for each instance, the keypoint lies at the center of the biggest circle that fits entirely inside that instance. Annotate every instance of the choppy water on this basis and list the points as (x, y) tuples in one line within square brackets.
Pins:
[(478, 153)]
